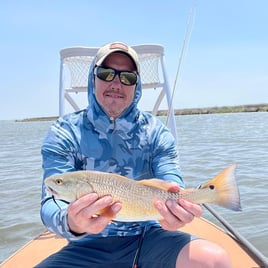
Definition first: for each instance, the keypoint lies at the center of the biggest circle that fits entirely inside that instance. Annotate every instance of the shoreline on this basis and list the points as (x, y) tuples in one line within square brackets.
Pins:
[(221, 109), (187, 111)]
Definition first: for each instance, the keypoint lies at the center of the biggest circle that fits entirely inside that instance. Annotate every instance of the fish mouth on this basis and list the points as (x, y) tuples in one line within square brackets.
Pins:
[(52, 191)]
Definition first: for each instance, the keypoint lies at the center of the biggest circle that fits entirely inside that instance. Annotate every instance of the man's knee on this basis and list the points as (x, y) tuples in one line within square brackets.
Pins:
[(202, 253)]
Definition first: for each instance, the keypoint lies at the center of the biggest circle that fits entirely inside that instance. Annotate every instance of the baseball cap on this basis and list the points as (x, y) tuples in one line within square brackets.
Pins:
[(110, 48)]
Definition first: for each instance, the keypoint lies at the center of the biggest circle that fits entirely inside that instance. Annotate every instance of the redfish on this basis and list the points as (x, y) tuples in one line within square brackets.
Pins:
[(137, 197)]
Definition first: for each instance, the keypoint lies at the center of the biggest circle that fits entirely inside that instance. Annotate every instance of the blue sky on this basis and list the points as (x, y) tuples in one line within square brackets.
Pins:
[(226, 62)]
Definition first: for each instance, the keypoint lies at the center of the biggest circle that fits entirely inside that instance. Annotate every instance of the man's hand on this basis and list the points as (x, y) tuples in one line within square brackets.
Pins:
[(82, 213), (177, 214)]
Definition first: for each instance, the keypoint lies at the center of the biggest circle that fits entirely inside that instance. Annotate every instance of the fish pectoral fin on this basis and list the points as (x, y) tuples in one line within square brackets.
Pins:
[(158, 183), (107, 212)]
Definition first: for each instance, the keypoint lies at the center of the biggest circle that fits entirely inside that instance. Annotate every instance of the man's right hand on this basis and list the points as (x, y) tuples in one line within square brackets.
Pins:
[(83, 215)]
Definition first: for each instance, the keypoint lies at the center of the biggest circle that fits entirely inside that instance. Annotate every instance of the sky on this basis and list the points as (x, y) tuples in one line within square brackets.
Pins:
[(225, 61)]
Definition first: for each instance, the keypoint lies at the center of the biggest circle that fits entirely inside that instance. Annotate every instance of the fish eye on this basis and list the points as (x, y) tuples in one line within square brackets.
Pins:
[(58, 181)]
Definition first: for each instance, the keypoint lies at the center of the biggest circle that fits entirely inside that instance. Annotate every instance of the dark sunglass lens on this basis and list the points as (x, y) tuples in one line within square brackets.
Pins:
[(128, 78), (108, 75), (105, 74)]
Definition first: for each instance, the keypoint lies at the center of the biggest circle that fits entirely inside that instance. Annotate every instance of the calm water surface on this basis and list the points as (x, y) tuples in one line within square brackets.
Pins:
[(207, 144)]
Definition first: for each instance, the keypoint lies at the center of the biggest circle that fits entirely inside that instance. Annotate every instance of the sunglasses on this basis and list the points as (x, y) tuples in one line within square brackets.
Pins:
[(108, 74)]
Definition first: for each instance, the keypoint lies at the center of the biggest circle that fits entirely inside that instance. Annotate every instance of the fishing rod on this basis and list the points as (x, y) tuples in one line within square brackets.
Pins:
[(185, 44), (258, 256)]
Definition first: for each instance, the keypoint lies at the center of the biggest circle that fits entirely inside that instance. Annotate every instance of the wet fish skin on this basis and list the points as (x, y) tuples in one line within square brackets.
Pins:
[(137, 197)]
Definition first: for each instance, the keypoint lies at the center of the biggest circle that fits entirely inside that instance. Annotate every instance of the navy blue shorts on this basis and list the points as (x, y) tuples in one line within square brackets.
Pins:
[(159, 248)]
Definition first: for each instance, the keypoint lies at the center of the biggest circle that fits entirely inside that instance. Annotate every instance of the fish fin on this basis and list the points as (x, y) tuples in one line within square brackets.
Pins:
[(185, 192), (107, 212), (158, 183), (225, 188)]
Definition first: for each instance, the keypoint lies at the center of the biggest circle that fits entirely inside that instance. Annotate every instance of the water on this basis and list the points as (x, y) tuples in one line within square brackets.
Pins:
[(207, 144)]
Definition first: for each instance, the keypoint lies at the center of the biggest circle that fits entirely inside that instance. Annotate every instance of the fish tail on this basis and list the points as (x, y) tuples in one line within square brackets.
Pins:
[(225, 188)]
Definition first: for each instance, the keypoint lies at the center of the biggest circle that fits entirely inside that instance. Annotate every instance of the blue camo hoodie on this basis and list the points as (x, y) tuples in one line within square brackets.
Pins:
[(136, 145)]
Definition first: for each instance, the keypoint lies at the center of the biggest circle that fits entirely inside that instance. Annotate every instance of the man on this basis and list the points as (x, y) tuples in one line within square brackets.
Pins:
[(113, 135)]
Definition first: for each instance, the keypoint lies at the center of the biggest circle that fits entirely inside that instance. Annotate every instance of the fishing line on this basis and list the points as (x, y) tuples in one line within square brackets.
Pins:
[(53, 198), (188, 32)]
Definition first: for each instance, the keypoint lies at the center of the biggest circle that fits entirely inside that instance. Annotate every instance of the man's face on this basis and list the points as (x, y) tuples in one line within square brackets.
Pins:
[(114, 97)]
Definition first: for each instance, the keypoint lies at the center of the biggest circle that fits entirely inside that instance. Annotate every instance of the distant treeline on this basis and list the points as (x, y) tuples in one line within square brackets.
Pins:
[(208, 110), (221, 109)]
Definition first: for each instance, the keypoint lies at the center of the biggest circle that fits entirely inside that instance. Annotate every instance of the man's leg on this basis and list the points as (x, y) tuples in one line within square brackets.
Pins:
[(203, 254)]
